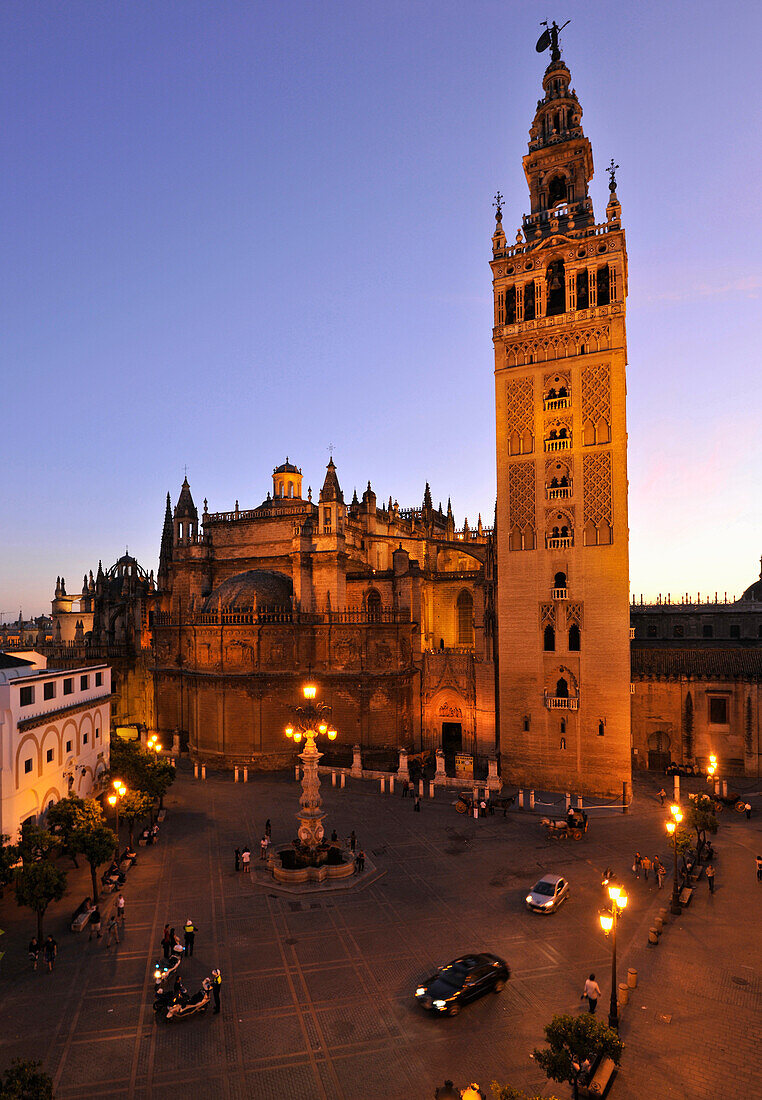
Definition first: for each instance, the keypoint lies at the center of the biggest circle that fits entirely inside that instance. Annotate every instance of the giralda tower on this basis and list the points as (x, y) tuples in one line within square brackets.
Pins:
[(562, 543)]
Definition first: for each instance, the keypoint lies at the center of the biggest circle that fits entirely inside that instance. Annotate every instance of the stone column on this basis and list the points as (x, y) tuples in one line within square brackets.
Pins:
[(494, 782), (356, 772), (403, 772), (441, 775), (311, 814)]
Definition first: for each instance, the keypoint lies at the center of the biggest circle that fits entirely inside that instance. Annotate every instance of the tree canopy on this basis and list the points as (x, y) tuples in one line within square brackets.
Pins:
[(97, 843), (574, 1038), (37, 884), (26, 1081), (141, 770), (700, 817)]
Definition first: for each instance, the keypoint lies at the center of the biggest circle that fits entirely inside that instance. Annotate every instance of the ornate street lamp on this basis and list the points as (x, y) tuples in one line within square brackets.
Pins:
[(677, 817), (153, 744), (608, 924), (311, 720), (113, 800)]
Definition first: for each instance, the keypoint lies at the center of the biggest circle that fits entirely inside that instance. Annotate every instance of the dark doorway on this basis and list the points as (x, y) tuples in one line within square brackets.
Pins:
[(659, 755), (452, 738)]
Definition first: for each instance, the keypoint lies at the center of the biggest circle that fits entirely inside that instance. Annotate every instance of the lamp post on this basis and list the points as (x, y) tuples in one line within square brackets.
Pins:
[(153, 744), (608, 924), (677, 817), (113, 800), (310, 720)]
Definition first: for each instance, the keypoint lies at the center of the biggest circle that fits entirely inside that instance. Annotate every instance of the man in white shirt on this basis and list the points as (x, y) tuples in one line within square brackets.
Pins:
[(592, 992)]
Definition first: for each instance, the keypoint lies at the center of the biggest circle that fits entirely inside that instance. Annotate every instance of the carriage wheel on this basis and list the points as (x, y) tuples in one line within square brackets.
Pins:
[(576, 834), (740, 806), (718, 807), (461, 807)]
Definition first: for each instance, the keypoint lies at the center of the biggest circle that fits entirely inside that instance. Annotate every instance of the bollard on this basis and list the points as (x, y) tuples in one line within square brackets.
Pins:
[(664, 914), (476, 809), (724, 788), (486, 794), (195, 771), (677, 787), (632, 978), (343, 779), (476, 796), (653, 937), (531, 800), (568, 802), (246, 775), (333, 779), (659, 925), (420, 788), (235, 775), (391, 784), (296, 773), (624, 995), (521, 798), (381, 781), (203, 771), (579, 801), (431, 788)]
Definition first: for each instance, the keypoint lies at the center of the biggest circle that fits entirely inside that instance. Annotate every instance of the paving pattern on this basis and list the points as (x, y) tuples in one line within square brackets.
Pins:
[(317, 988)]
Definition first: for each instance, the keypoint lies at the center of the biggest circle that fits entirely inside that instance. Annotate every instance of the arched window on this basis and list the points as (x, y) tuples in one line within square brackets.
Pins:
[(604, 284), (549, 639), (556, 288), (374, 606), (510, 305), (465, 606), (562, 744), (291, 488), (557, 187), (529, 302), (574, 638), (583, 296), (563, 725), (562, 689), (559, 581)]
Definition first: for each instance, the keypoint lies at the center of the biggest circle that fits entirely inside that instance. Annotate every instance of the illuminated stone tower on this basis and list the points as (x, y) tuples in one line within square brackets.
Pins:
[(562, 548)]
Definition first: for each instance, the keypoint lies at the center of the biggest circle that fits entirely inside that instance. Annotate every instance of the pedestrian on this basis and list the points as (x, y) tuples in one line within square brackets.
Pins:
[(95, 923), (710, 877), (491, 807), (662, 795), (334, 836), (747, 810), (417, 804), (360, 861), (176, 947), (166, 941), (759, 868), (34, 951), (50, 951), (120, 908), (238, 859), (608, 875), (263, 848), (645, 863), (268, 828), (246, 859), (447, 1092), (482, 808), (112, 930), (189, 931), (592, 991), (636, 865), (216, 983), (154, 833), (352, 841), (405, 788), (660, 871)]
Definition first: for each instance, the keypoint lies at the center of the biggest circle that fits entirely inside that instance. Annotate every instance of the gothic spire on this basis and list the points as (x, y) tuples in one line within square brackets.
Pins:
[(165, 553)]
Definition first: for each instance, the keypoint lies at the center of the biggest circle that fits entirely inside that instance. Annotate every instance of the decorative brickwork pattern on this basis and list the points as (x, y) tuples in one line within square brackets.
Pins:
[(596, 393), (521, 494), (574, 615), (547, 615), (520, 405), (596, 487), (558, 346)]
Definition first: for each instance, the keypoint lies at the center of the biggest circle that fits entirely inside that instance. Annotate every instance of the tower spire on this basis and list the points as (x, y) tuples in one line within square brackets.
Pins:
[(165, 553)]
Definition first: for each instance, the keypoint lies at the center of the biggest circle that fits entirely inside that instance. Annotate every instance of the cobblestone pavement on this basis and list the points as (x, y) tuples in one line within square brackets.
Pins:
[(317, 989)]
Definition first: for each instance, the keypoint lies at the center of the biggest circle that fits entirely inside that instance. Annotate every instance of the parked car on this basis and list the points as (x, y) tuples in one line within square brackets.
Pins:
[(547, 894), (462, 980)]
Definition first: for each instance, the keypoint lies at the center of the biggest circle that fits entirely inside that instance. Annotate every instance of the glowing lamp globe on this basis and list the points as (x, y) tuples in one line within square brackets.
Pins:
[(289, 731), (607, 921), (323, 728), (332, 735), (297, 736), (310, 691)]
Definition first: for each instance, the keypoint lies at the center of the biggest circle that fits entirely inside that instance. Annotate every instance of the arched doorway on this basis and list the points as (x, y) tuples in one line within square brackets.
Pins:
[(659, 755)]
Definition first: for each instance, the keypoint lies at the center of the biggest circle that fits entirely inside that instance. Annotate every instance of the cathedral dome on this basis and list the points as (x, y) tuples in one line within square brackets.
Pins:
[(255, 588), (754, 591)]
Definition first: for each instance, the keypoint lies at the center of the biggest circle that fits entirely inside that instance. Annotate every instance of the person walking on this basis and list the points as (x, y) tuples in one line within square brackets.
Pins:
[(263, 848), (246, 860), (334, 836), (112, 931), (50, 951), (34, 951), (352, 841), (662, 795), (189, 935), (238, 859), (405, 788), (710, 877), (166, 941), (636, 865), (592, 991), (175, 945), (360, 861), (759, 868), (417, 804), (747, 811), (216, 983), (268, 829), (660, 871), (645, 863), (120, 908), (447, 1091), (95, 923)]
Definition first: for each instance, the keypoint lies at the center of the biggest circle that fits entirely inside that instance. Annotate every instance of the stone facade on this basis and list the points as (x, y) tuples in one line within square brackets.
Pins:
[(562, 545)]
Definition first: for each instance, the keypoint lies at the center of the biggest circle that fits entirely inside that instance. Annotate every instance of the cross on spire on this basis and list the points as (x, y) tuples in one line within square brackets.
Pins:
[(498, 204), (185, 471), (612, 174)]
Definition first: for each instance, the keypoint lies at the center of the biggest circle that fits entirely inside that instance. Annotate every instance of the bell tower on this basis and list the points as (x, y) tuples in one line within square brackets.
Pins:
[(562, 529)]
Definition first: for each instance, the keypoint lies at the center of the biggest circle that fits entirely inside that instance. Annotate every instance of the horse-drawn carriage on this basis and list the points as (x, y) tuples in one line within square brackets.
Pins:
[(573, 826), (465, 802)]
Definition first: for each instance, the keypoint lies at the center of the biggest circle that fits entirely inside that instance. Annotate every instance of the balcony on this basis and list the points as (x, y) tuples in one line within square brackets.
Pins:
[(560, 702), (632, 632), (550, 404), (559, 492), (558, 594), (558, 444), (561, 543)]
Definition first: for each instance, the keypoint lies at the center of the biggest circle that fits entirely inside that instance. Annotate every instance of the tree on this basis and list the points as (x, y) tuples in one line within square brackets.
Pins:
[(133, 806), (577, 1038), (9, 856), (508, 1092), (37, 884), (37, 843), (97, 844), (141, 770), (62, 820), (26, 1081), (701, 818)]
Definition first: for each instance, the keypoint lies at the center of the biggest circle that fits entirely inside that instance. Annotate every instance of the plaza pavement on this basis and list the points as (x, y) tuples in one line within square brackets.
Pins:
[(317, 990)]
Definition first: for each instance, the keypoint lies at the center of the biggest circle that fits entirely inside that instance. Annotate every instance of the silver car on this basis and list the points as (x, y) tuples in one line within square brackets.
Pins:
[(547, 894)]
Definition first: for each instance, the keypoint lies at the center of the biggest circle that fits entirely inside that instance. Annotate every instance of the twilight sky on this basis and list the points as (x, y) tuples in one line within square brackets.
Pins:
[(235, 231)]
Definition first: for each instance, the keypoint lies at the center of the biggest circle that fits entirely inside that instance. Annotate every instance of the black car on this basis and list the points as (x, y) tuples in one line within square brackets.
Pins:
[(461, 981)]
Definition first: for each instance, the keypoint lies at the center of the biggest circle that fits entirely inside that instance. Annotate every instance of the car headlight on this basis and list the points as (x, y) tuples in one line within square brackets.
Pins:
[(440, 1004), (547, 904), (157, 974), (529, 898), (420, 991)]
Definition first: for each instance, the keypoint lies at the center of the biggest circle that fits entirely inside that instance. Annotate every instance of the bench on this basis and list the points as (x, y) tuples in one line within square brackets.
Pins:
[(601, 1077), (685, 895), (81, 920)]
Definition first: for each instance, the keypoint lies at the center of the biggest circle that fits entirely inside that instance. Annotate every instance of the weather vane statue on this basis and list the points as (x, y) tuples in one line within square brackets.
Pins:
[(549, 37)]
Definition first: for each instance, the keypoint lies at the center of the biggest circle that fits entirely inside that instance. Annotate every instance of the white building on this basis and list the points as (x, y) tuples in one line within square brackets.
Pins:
[(54, 734)]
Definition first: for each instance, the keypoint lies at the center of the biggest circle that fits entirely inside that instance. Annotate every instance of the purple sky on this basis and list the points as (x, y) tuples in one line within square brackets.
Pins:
[(235, 231)]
